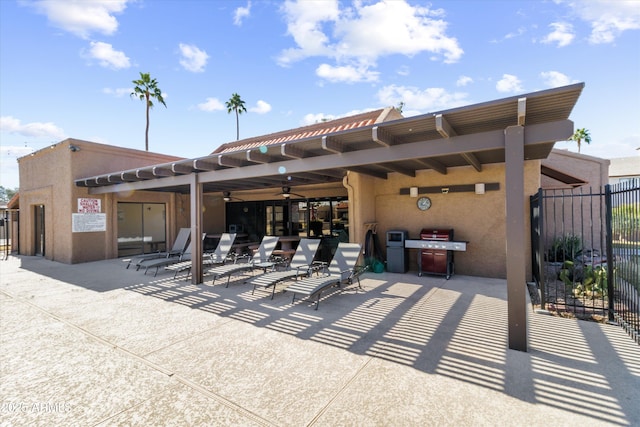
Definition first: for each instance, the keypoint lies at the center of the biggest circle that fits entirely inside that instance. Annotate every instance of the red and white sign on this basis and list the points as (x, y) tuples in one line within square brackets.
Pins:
[(89, 205)]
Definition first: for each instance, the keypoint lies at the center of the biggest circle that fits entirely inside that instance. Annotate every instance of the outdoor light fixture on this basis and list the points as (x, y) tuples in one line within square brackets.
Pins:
[(74, 148), (413, 191), (480, 188)]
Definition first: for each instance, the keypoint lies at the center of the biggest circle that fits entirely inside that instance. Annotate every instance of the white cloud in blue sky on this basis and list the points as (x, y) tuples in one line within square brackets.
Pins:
[(241, 14), (298, 62), (192, 58), (562, 34), (509, 84), (261, 107), (107, 56), (211, 104), (81, 18)]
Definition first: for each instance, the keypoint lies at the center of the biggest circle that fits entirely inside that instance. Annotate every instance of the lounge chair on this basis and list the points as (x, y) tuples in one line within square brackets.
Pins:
[(341, 270), (300, 265), (219, 256), (178, 249), (164, 262), (262, 258)]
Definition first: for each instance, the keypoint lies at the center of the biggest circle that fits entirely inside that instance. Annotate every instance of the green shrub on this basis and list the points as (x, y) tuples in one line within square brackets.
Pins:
[(564, 248), (584, 280)]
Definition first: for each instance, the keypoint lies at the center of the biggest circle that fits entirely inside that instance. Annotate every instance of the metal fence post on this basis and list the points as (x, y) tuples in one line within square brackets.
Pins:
[(609, 245)]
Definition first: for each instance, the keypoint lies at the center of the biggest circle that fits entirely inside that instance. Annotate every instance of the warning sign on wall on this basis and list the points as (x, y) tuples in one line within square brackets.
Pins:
[(85, 223), (89, 205)]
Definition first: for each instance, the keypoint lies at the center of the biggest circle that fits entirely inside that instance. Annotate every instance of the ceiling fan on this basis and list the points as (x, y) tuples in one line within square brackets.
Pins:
[(226, 196), (286, 193)]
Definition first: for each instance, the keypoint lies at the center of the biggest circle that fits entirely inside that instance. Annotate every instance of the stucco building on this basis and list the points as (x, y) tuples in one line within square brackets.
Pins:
[(55, 181)]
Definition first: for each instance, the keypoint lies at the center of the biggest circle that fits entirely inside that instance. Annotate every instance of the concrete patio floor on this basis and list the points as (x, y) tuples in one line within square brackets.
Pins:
[(96, 344)]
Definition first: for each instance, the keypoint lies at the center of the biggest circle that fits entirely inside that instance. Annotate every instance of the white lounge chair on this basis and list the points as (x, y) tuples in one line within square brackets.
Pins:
[(179, 247), (300, 265), (219, 256), (262, 258), (341, 270)]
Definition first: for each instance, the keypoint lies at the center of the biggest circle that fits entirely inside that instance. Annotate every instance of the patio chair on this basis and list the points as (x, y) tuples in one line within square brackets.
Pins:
[(262, 258), (178, 248), (220, 255), (341, 270), (300, 265), (164, 262)]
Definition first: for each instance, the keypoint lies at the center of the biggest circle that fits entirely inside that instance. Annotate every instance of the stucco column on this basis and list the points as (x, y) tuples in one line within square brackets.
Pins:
[(196, 229), (516, 280)]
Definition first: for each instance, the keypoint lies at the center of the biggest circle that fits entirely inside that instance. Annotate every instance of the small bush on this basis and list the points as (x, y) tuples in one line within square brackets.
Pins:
[(564, 248)]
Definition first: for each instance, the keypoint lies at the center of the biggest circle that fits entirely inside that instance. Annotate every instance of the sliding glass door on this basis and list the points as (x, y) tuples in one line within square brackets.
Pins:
[(141, 228)]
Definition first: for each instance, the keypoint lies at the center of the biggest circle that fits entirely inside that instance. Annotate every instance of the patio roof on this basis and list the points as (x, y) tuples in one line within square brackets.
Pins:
[(466, 136)]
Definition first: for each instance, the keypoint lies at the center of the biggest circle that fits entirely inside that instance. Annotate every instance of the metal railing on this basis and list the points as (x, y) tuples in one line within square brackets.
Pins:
[(586, 252)]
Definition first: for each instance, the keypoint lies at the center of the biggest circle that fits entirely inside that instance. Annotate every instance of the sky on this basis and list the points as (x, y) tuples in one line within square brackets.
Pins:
[(67, 66)]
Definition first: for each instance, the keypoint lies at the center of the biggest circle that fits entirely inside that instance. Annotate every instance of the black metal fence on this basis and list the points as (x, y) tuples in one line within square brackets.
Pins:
[(586, 252)]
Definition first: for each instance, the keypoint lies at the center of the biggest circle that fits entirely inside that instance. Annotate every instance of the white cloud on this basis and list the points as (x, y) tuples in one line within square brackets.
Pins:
[(322, 29), (193, 59), (347, 73), (107, 57), (49, 130), (556, 79), (261, 107), (313, 118), (608, 19), (81, 17), (211, 104), (421, 100), (562, 34), (241, 13), (509, 83), (118, 92), (463, 81)]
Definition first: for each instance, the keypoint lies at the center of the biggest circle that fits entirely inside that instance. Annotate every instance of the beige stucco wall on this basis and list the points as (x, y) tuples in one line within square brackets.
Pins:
[(47, 178), (580, 216), (478, 219), (593, 170)]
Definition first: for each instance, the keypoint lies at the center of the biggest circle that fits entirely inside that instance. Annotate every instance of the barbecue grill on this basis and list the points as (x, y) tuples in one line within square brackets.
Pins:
[(435, 251)]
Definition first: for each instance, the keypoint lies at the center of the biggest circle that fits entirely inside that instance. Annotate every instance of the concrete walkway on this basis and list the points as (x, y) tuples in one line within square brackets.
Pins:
[(96, 344)]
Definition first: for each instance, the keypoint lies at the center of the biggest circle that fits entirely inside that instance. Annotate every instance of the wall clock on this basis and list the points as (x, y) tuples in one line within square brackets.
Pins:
[(424, 203)]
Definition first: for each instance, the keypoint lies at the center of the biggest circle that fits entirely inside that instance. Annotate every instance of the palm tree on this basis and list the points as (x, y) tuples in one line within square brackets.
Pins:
[(146, 89), (236, 104), (580, 135)]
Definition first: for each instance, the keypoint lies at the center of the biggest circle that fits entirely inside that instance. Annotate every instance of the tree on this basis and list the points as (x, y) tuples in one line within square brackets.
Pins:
[(146, 89), (236, 104), (6, 194), (580, 135)]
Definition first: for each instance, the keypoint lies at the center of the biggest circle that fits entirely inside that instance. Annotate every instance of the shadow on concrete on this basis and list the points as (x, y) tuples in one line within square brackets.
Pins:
[(455, 328)]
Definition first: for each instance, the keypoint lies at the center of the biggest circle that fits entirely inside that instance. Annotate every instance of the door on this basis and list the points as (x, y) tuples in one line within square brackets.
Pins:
[(39, 230), (277, 219), (141, 228)]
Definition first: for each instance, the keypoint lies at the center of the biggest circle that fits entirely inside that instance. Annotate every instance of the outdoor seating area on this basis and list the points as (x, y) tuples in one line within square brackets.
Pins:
[(301, 275), (114, 347)]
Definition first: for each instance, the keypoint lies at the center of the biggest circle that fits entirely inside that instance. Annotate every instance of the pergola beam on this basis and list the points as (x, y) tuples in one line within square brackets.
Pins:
[(472, 160), (486, 141), (332, 144), (293, 151), (443, 127), (382, 136), (434, 164)]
